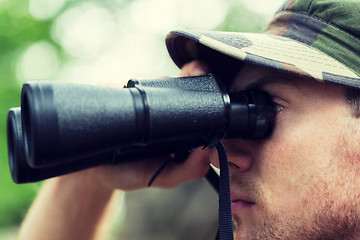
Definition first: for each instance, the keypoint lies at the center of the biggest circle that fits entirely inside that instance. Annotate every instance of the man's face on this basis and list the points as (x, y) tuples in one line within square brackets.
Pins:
[(303, 182)]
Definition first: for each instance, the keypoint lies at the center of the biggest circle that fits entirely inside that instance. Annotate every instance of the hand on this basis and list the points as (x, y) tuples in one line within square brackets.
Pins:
[(79, 203), (137, 174)]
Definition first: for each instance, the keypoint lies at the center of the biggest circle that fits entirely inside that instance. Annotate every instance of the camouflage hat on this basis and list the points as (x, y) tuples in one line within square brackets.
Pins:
[(312, 38)]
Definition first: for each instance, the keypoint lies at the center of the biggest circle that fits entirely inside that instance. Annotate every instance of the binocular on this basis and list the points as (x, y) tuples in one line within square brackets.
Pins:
[(65, 127)]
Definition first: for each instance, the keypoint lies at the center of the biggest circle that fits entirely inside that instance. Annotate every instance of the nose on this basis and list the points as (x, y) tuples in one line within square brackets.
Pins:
[(238, 153)]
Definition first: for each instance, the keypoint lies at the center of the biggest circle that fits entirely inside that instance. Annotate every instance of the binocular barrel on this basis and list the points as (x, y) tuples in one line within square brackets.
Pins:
[(66, 127), (22, 172)]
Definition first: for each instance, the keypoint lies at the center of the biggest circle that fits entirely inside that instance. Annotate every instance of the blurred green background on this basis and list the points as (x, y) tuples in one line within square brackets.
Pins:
[(108, 41)]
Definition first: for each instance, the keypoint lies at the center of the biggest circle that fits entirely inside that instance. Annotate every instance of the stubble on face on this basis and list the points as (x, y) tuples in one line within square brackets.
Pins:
[(330, 205), (332, 211)]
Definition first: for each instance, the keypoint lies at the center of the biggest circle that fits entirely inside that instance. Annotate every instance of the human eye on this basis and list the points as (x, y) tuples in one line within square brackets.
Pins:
[(278, 104), (278, 108)]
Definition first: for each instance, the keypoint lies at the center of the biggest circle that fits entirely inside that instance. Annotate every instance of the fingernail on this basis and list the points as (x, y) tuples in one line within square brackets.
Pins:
[(199, 70)]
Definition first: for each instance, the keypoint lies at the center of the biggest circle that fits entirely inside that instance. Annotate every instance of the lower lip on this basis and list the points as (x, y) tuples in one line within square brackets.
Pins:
[(241, 206)]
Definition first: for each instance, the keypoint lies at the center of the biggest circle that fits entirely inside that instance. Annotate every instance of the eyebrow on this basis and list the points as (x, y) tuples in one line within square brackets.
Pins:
[(261, 82)]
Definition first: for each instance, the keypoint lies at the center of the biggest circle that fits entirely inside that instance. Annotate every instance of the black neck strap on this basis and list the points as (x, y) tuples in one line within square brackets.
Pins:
[(222, 185), (225, 216)]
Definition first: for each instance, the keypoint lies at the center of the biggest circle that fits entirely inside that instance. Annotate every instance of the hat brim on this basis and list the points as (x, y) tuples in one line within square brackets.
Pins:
[(280, 53)]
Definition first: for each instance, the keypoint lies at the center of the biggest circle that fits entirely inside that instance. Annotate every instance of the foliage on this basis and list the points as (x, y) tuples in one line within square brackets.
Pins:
[(18, 30)]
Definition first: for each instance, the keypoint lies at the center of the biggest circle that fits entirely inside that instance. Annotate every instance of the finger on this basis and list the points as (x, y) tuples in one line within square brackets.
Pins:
[(137, 174), (194, 68), (131, 175), (194, 167)]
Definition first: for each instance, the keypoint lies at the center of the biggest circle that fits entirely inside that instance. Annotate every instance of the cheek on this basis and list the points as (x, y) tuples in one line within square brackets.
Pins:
[(292, 161)]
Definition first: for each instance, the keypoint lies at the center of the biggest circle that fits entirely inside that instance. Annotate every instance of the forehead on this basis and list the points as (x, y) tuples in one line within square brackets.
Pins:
[(252, 76)]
